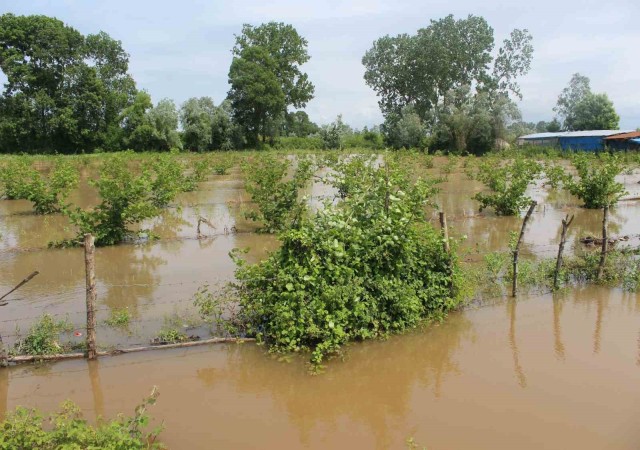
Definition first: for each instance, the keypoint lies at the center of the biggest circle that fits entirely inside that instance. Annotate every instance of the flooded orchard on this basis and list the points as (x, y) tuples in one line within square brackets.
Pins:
[(542, 370)]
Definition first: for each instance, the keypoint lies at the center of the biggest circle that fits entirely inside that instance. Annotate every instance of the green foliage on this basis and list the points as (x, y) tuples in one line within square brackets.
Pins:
[(577, 89), (256, 96), (266, 79), (48, 193), (119, 318), (64, 91), (420, 69), (42, 338), (220, 310), (405, 130), (274, 193), (168, 180), (15, 176), (364, 267), (507, 182), (597, 186), (170, 336), (67, 429), (222, 163), (595, 112), (127, 198)]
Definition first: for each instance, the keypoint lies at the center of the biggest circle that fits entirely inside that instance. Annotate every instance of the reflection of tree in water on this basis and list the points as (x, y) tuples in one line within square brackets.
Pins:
[(374, 387), (129, 273), (170, 222)]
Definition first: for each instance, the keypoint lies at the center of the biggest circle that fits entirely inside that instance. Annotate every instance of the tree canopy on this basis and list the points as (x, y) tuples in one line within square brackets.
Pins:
[(64, 91), (579, 86), (419, 70), (266, 79), (595, 112)]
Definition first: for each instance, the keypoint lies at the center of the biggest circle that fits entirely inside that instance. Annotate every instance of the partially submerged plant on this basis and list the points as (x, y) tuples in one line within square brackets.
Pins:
[(365, 267), (597, 186), (507, 182), (43, 337), (126, 199), (67, 429), (274, 193), (15, 177), (48, 193), (119, 318)]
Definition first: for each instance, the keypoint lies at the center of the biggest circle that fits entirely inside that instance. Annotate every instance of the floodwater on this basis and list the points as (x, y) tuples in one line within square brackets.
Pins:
[(536, 372), (540, 372)]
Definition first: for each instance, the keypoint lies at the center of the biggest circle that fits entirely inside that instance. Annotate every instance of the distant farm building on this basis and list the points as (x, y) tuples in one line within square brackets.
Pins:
[(623, 141), (589, 140)]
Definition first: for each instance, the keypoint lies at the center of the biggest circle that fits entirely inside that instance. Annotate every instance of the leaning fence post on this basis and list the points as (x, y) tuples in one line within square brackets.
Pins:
[(516, 250), (563, 238), (603, 254), (90, 268), (446, 247)]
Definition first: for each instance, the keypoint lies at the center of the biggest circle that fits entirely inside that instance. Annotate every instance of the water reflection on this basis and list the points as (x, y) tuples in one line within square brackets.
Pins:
[(373, 387), (519, 372)]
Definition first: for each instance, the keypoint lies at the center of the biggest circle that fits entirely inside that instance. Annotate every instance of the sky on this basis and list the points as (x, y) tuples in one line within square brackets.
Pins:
[(182, 49)]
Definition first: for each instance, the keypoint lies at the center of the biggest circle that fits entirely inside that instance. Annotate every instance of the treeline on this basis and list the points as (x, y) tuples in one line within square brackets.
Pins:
[(443, 88)]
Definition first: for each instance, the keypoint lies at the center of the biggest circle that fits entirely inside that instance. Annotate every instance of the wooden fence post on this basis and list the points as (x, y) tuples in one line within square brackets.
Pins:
[(90, 269), (3, 354), (447, 248), (516, 251), (605, 243), (563, 238)]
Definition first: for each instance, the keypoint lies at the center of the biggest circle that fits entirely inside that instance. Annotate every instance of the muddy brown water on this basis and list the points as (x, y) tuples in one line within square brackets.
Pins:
[(539, 372), (546, 372)]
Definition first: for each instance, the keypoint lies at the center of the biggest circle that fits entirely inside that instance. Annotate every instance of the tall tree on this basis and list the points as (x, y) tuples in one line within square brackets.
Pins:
[(256, 93), (579, 86), (595, 112), (288, 50), (266, 78), (196, 118), (420, 70)]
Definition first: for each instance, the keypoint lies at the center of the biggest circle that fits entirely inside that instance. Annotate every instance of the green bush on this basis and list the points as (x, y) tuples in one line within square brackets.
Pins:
[(47, 193), (67, 429), (507, 182), (168, 180), (274, 193), (362, 268), (597, 186), (43, 337), (127, 198), (15, 176)]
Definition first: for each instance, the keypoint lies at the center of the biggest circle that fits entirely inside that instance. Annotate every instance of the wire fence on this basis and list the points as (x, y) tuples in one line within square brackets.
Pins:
[(155, 312)]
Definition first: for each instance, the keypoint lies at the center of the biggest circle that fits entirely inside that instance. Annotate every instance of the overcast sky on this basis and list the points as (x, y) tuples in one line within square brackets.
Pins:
[(181, 49)]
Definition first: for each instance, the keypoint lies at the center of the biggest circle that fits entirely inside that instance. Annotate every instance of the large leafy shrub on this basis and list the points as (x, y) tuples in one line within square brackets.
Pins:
[(507, 182), (363, 267)]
